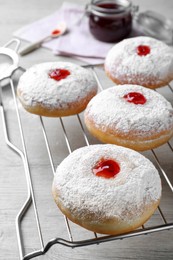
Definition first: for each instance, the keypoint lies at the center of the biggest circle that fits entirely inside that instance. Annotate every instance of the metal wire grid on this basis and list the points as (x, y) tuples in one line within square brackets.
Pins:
[(30, 190)]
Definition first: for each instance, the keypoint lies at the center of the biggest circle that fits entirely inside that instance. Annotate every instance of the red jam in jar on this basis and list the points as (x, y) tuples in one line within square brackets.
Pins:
[(110, 20)]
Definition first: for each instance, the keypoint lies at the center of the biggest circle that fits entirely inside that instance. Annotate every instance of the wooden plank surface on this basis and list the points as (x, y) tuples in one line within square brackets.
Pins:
[(13, 189)]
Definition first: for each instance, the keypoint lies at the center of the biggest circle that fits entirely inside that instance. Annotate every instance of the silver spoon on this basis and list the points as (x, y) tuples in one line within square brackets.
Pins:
[(60, 30)]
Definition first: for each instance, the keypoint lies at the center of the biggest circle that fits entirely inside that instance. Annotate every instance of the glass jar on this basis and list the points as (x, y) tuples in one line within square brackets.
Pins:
[(110, 20)]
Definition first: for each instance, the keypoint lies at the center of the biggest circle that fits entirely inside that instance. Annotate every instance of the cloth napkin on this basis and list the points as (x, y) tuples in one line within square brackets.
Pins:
[(78, 42)]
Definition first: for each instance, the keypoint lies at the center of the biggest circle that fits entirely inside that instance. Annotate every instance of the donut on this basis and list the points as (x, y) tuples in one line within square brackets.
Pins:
[(56, 89), (106, 188), (131, 116), (141, 61)]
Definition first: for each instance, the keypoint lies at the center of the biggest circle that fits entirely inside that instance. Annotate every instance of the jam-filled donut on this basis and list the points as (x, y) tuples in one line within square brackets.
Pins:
[(142, 61), (107, 189), (56, 89), (130, 116)]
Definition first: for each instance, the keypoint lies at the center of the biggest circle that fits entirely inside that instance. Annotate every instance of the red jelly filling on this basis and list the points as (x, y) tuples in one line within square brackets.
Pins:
[(59, 74), (106, 168), (143, 50), (136, 98)]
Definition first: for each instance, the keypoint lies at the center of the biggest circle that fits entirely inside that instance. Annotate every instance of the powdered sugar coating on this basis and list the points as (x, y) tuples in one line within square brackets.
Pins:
[(35, 85), (124, 64), (110, 110), (125, 196)]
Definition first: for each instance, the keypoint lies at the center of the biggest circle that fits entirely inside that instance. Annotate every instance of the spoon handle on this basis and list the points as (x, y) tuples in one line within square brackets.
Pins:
[(32, 47)]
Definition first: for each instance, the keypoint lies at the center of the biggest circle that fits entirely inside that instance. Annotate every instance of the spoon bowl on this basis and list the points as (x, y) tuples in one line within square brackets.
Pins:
[(60, 30)]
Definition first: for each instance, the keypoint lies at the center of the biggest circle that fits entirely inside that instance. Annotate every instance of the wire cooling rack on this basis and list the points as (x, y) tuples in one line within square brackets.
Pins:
[(164, 224)]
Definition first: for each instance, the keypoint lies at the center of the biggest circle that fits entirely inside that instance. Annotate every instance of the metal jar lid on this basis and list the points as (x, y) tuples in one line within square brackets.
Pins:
[(155, 25)]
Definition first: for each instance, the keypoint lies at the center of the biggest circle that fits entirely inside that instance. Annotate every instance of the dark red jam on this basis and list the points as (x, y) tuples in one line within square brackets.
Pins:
[(143, 50), (109, 22), (109, 6), (106, 169), (58, 74), (136, 98)]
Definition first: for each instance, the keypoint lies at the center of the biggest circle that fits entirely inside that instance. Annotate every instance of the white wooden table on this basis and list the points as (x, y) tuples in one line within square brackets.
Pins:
[(13, 190)]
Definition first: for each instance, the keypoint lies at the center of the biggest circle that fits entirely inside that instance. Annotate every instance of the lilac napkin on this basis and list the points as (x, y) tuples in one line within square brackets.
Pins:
[(77, 42)]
